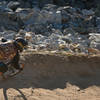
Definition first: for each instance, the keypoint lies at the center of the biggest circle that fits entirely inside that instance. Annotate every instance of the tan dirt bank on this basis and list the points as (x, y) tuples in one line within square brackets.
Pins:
[(54, 77)]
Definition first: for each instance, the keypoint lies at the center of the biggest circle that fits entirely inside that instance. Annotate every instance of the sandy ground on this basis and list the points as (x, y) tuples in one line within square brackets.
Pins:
[(54, 77)]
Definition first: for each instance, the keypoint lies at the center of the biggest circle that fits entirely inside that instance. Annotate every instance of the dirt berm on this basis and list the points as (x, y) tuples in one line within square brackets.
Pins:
[(50, 76)]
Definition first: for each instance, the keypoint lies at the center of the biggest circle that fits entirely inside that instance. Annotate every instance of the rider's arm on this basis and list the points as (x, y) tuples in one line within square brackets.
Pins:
[(15, 62)]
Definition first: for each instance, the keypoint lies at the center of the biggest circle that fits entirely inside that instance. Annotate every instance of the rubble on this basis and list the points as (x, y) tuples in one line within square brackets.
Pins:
[(95, 40), (49, 24)]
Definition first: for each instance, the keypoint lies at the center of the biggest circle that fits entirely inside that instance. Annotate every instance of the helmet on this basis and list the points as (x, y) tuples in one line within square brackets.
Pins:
[(21, 42), (3, 39)]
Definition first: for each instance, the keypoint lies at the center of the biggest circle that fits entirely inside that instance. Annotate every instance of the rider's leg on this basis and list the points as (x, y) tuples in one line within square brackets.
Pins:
[(3, 69), (2, 75), (15, 62)]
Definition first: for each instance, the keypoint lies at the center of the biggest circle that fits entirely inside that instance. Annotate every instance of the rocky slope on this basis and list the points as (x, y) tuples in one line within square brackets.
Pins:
[(67, 25)]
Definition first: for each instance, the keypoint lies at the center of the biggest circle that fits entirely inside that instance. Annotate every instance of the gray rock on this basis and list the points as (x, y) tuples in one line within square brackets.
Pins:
[(94, 37), (35, 3), (38, 39), (98, 21), (4, 9), (42, 3), (95, 40), (26, 15), (9, 21), (95, 45), (25, 3), (13, 5), (8, 34), (86, 12), (35, 16), (50, 7), (38, 29), (66, 39), (97, 10), (21, 33), (65, 16), (59, 2), (69, 31), (98, 24)]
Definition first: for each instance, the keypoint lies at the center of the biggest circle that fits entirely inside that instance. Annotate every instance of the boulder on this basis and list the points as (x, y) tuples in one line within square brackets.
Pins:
[(9, 35), (13, 5), (94, 40), (86, 12)]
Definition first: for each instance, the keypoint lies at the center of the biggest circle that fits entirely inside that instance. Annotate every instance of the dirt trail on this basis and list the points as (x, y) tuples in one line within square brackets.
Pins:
[(54, 77)]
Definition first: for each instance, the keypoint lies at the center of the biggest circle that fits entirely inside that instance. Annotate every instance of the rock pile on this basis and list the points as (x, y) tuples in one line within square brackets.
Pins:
[(52, 24)]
